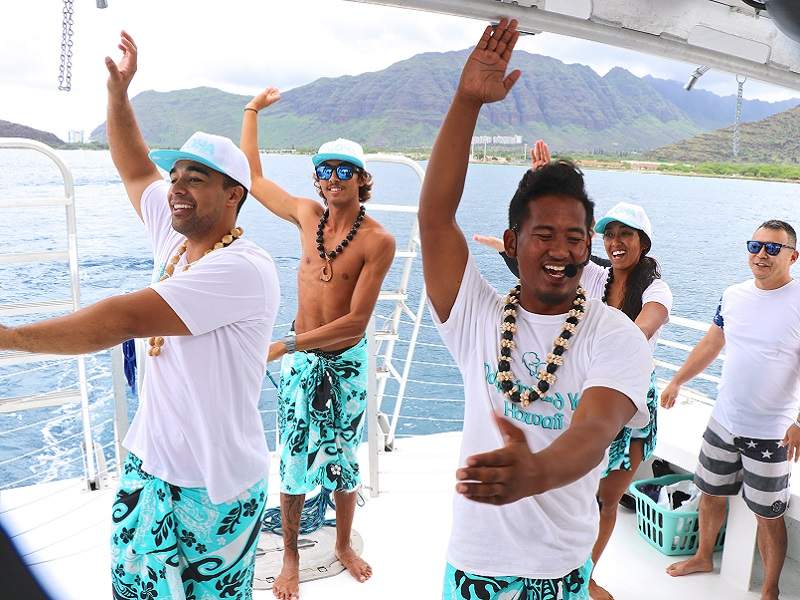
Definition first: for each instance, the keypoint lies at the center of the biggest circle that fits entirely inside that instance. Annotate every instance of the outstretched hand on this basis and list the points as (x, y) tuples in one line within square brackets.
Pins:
[(490, 241), (540, 155), (504, 475), (484, 78), (670, 395), (266, 98), (120, 74), (276, 351)]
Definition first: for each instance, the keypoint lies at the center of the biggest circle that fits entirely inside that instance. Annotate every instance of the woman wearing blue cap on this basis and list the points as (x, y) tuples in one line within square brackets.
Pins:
[(630, 281)]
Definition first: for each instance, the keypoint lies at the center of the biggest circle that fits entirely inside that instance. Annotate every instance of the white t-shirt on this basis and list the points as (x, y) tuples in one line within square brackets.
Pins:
[(594, 279), (548, 535), (759, 394), (198, 423)]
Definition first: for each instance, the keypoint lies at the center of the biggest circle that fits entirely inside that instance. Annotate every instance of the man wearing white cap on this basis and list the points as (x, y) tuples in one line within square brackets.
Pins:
[(322, 397), (188, 512)]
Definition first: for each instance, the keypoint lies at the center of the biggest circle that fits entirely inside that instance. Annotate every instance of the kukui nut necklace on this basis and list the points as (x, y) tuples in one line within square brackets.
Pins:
[(157, 342), (327, 270), (607, 287), (555, 359)]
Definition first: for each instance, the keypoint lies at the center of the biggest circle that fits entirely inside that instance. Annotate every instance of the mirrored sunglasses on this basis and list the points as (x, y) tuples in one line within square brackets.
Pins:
[(773, 248), (343, 171)]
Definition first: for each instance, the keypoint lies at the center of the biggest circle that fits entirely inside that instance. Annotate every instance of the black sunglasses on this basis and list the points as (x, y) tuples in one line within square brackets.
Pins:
[(773, 248), (344, 171)]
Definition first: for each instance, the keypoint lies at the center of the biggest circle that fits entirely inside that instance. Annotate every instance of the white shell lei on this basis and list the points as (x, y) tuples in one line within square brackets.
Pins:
[(555, 359)]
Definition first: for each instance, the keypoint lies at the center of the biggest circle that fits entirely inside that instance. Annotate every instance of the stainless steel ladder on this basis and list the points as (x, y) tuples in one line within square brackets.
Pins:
[(386, 338)]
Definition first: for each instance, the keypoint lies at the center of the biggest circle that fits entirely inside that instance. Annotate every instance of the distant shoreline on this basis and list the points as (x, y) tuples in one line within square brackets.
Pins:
[(746, 171)]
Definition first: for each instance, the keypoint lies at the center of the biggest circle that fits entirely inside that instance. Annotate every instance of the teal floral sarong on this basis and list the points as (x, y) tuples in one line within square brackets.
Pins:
[(170, 542), (460, 585), (323, 396), (619, 453)]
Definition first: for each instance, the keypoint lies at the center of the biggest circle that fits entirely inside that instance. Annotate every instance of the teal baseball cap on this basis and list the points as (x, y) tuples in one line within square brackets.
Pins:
[(628, 214), (214, 151), (341, 149)]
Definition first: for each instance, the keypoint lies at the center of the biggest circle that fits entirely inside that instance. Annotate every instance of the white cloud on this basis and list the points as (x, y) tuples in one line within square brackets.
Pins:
[(242, 46)]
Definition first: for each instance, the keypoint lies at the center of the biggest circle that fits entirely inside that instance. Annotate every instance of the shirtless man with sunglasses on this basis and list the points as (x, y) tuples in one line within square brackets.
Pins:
[(322, 395)]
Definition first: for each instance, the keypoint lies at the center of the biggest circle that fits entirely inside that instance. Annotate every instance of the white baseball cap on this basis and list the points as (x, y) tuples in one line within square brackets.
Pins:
[(631, 215), (341, 149), (214, 151)]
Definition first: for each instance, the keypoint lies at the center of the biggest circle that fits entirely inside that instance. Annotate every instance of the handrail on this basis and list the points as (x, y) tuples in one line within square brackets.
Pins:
[(72, 255)]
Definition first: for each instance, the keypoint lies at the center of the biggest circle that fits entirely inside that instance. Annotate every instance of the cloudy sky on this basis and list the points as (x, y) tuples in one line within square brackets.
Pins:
[(243, 45)]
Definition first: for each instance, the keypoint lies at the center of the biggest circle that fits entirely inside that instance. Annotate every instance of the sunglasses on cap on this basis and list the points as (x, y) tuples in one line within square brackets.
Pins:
[(344, 171), (773, 248)]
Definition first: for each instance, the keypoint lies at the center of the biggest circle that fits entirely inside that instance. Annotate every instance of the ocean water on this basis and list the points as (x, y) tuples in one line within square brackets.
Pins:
[(700, 226)]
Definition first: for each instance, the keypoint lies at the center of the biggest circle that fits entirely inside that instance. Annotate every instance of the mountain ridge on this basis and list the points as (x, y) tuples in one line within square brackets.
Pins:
[(402, 106)]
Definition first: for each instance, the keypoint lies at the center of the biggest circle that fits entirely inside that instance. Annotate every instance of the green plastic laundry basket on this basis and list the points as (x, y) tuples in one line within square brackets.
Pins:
[(673, 533)]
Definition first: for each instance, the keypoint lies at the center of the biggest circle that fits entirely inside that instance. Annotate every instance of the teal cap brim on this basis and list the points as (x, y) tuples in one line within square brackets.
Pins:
[(321, 158), (601, 225)]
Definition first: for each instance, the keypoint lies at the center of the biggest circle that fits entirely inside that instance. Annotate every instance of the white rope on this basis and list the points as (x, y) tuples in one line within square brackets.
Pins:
[(437, 419), (458, 400), (42, 422)]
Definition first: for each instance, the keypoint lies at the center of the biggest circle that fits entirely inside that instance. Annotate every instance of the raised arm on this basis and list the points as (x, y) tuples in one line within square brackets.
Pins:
[(272, 196), (444, 249), (128, 149), (704, 353), (96, 327), (380, 255)]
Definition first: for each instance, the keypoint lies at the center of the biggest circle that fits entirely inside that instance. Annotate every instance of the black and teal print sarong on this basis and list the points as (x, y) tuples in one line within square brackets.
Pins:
[(323, 396), (459, 585), (619, 453), (170, 542)]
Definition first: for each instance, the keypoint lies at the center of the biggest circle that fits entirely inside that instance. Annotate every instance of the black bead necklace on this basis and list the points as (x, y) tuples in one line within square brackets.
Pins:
[(607, 288), (327, 270), (555, 359)]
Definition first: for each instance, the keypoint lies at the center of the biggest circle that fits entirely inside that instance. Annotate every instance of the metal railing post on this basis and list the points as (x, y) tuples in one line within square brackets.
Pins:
[(120, 404), (373, 431)]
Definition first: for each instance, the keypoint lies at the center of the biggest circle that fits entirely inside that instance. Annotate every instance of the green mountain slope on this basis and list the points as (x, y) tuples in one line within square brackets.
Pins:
[(9, 129), (402, 106), (775, 139)]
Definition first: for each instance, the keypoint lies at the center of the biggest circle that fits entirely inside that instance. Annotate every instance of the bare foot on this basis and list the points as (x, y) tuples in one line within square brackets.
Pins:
[(598, 593), (692, 565), (355, 565), (287, 584)]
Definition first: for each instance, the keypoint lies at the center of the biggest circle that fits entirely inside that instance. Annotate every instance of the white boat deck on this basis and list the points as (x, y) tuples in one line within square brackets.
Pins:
[(65, 532)]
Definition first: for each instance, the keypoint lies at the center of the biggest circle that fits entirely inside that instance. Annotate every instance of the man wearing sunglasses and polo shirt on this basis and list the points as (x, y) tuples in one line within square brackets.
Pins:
[(753, 434), (323, 396)]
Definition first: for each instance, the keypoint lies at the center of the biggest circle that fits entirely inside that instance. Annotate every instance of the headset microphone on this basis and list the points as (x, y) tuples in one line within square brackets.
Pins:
[(571, 270)]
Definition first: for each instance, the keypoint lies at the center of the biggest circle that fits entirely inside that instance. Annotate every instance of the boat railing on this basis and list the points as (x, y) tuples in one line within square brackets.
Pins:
[(414, 387), (58, 396)]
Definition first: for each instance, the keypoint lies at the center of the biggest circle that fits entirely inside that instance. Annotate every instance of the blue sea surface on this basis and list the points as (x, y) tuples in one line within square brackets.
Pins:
[(700, 226)]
